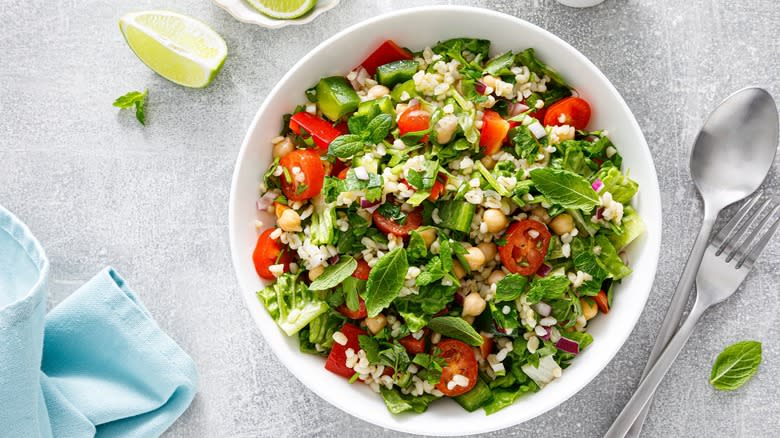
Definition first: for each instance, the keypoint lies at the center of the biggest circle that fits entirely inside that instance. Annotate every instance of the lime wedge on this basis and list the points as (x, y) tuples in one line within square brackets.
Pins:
[(283, 9), (178, 48)]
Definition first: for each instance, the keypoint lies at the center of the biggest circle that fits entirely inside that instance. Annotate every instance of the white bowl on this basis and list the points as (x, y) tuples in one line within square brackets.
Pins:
[(417, 28), (243, 12)]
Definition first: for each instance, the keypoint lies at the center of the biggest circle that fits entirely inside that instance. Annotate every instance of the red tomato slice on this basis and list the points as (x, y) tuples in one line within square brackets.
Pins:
[(360, 313), (270, 252), (321, 131), (438, 187), (337, 359), (493, 133), (414, 346), (388, 51), (362, 270), (460, 360), (571, 111), (414, 119), (523, 254), (389, 226), (343, 173), (310, 165), (602, 301), (487, 346)]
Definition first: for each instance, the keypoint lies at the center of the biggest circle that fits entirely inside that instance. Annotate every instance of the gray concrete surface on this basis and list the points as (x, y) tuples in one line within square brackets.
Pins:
[(97, 188)]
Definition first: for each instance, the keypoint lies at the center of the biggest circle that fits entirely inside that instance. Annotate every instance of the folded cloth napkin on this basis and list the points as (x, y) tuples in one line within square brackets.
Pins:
[(96, 365)]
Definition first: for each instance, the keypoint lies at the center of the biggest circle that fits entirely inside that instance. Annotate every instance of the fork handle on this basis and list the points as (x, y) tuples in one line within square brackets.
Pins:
[(675, 311), (647, 388)]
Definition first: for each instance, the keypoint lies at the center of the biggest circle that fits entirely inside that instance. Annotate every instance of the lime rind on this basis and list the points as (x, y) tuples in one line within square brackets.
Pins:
[(283, 9)]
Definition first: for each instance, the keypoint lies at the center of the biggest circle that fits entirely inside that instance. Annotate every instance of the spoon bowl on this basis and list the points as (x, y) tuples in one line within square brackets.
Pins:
[(735, 148)]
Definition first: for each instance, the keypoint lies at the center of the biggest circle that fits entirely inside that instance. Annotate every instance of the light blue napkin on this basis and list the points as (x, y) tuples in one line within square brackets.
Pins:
[(96, 365)]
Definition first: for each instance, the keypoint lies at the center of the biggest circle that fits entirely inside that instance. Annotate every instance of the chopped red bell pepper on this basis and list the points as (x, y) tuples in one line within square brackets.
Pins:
[(337, 359), (388, 51), (412, 345), (494, 130), (320, 129)]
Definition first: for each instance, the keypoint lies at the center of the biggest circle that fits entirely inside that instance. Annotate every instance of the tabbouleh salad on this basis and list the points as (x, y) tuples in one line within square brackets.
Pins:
[(445, 225)]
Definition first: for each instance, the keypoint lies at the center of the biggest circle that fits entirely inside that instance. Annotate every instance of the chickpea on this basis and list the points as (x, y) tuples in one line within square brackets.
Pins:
[(279, 209), (589, 309), (496, 276), (445, 128), (283, 148), (495, 220), (541, 213), (490, 81), (489, 249), (458, 270), (377, 91), (316, 272), (290, 220), (469, 319), (475, 257), (473, 304), (376, 324), (488, 161), (562, 224), (428, 236)]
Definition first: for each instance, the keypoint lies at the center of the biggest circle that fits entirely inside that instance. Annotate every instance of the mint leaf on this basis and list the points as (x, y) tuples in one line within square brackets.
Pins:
[(345, 146), (456, 328), (385, 280), (334, 274), (735, 365), (416, 250), (433, 272), (510, 287), (547, 288), (135, 99), (378, 128), (357, 124), (565, 188)]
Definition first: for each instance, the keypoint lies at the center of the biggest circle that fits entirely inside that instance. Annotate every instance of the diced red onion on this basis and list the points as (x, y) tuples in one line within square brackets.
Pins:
[(459, 299), (364, 203), (517, 108), (265, 201), (546, 336), (543, 270), (600, 213), (568, 345), (537, 129), (542, 308), (372, 209), (335, 259), (479, 87), (597, 185), (414, 102)]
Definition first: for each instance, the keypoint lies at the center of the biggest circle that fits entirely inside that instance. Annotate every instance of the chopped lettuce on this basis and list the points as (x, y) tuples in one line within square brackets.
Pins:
[(631, 227), (291, 304), (323, 223), (619, 185), (397, 402)]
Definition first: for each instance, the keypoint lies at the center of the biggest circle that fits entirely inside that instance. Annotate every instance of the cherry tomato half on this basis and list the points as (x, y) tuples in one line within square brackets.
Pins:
[(460, 360), (337, 359), (523, 253), (270, 252), (571, 111), (389, 226), (309, 164), (414, 346), (602, 301), (414, 119), (487, 346), (493, 133), (438, 187), (362, 270)]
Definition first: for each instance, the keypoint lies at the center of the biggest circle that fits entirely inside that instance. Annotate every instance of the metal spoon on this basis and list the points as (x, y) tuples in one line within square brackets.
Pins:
[(730, 159)]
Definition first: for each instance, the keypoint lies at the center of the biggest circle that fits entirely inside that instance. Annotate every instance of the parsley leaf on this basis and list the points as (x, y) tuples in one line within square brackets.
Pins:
[(135, 99)]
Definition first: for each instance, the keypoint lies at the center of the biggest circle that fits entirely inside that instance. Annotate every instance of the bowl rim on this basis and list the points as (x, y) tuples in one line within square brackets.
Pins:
[(653, 243)]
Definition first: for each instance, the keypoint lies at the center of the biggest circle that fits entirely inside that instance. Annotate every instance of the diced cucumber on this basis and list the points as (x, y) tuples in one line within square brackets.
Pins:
[(456, 215), (372, 108), (399, 89), (479, 396), (396, 72), (336, 97)]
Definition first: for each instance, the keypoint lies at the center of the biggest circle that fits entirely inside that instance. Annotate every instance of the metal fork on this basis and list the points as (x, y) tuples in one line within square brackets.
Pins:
[(727, 261)]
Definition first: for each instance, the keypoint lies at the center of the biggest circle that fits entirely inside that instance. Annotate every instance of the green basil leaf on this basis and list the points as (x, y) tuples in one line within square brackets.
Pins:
[(735, 365), (385, 280), (510, 287), (456, 328), (334, 274), (346, 146), (565, 188), (379, 127)]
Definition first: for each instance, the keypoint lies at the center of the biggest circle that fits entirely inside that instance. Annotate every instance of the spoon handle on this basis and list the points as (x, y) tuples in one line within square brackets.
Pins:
[(676, 307), (644, 393)]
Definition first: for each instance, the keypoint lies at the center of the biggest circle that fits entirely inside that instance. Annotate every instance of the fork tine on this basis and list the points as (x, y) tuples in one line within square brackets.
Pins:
[(726, 233), (751, 255), (735, 243)]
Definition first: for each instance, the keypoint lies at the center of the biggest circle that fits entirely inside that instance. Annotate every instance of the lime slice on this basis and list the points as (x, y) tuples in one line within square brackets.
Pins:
[(178, 48), (283, 9)]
